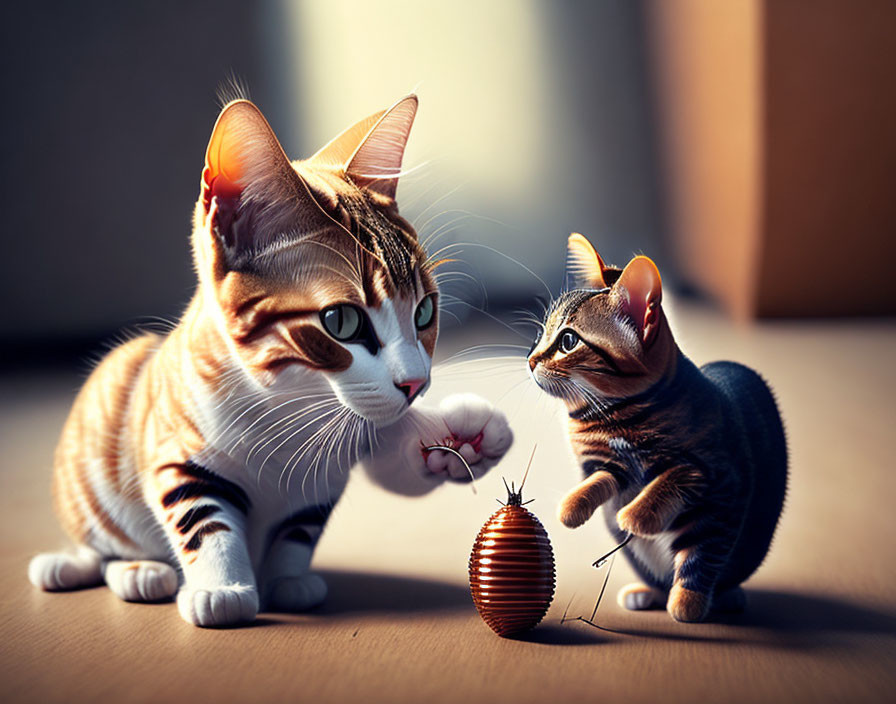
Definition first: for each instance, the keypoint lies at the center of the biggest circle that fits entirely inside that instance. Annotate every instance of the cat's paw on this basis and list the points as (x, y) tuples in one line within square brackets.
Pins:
[(638, 520), (141, 580), (640, 597), (59, 571), (296, 593), (686, 605), (477, 430), (218, 606), (574, 510)]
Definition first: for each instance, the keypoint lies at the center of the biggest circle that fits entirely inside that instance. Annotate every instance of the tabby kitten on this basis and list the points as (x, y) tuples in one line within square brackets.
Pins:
[(691, 462), (205, 463)]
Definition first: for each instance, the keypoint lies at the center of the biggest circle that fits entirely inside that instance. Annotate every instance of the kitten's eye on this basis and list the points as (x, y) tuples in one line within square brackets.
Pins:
[(425, 313), (342, 321), (568, 341)]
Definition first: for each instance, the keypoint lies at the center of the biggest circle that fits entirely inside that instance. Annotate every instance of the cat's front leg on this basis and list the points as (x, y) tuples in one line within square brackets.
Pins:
[(400, 462), (285, 582), (698, 566), (204, 518), (581, 503), (659, 502)]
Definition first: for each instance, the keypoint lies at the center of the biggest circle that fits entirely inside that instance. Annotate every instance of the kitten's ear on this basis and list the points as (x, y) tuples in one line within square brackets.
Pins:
[(370, 152), (642, 292), (241, 150), (247, 170), (583, 263)]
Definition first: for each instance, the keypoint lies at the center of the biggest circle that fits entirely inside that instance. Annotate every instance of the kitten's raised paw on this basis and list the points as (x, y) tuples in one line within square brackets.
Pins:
[(574, 511), (141, 580), (638, 521), (686, 605), (640, 597), (60, 571), (292, 594), (218, 606)]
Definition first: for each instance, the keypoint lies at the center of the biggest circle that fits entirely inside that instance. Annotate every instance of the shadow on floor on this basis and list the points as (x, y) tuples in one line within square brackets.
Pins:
[(353, 592), (365, 592), (772, 619), (808, 616)]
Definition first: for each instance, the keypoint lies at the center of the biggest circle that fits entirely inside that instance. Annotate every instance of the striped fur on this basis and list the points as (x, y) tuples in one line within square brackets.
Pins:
[(207, 462), (692, 462)]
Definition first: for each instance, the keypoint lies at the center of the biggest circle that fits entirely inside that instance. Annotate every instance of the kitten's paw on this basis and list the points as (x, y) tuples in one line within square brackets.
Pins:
[(574, 510), (478, 431), (218, 606), (640, 597), (686, 605), (635, 519), (60, 571), (142, 580), (299, 593)]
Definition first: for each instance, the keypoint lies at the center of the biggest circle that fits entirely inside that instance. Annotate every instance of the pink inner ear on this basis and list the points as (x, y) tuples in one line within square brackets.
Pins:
[(219, 186), (641, 283)]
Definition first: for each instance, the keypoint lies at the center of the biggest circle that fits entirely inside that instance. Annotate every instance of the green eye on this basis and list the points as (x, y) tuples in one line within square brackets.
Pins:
[(425, 313), (342, 321), (568, 341)]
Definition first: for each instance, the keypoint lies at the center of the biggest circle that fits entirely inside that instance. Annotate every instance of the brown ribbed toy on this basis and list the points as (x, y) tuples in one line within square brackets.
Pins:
[(512, 569)]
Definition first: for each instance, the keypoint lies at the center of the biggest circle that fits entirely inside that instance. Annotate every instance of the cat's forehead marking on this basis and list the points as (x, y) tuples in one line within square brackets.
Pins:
[(566, 305), (393, 253)]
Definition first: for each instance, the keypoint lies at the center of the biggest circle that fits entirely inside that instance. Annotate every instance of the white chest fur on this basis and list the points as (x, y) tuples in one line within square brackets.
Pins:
[(655, 554), (289, 447)]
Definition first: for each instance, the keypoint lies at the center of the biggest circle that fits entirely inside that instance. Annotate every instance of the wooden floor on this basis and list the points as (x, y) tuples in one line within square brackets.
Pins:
[(399, 625)]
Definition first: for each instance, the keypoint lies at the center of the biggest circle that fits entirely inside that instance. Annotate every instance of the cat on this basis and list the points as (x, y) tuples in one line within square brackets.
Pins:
[(692, 463), (205, 464)]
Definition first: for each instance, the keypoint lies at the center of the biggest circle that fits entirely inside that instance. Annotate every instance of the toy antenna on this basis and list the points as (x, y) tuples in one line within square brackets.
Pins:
[(528, 466)]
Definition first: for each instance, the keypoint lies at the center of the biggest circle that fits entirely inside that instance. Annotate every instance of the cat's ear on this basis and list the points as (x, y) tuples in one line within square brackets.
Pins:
[(370, 152), (241, 150), (641, 290), (246, 171), (583, 263)]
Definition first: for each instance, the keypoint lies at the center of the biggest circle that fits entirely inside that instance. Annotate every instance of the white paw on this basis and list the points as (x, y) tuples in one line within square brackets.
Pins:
[(478, 431), (58, 571), (640, 597), (218, 606), (142, 580), (298, 593)]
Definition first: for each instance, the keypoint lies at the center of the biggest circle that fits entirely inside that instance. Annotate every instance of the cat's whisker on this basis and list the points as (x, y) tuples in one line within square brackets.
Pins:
[(267, 438), (423, 229), (492, 318), (335, 422), (319, 417), (501, 254), (244, 434)]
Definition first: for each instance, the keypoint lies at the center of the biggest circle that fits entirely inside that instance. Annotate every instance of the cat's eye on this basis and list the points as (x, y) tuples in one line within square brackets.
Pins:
[(342, 321), (568, 341), (425, 313)]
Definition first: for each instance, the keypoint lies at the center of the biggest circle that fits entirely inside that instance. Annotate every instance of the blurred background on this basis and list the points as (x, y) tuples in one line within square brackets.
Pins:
[(746, 146)]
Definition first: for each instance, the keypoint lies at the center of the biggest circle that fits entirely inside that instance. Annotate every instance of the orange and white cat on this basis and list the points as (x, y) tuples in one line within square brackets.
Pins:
[(205, 463)]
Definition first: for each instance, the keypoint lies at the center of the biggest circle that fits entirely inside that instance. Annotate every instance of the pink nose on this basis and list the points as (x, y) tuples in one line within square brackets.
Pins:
[(410, 387)]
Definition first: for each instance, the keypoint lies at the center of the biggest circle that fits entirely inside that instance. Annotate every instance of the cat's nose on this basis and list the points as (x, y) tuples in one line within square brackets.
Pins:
[(410, 387), (532, 363)]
